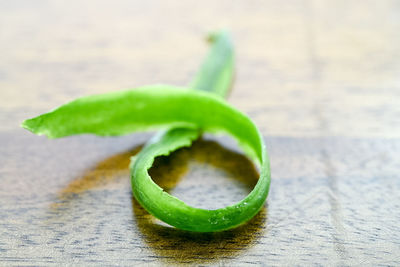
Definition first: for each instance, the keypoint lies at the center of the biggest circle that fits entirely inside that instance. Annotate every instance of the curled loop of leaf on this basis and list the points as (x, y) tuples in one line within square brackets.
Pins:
[(183, 114), (160, 107)]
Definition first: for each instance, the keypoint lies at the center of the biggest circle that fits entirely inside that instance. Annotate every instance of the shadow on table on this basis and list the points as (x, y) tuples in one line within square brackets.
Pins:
[(106, 171), (177, 246), (171, 244)]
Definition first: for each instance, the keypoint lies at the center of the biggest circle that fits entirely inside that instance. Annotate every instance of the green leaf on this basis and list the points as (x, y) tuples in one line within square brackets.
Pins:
[(162, 106), (217, 70), (185, 114)]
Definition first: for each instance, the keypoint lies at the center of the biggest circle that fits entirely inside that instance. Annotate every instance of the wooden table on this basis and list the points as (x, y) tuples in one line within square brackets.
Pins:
[(320, 78)]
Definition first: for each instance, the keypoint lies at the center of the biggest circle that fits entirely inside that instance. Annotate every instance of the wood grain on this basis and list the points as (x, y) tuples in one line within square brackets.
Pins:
[(320, 79)]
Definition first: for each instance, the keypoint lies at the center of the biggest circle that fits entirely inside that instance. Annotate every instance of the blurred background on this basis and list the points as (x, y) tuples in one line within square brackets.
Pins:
[(321, 79), (306, 68)]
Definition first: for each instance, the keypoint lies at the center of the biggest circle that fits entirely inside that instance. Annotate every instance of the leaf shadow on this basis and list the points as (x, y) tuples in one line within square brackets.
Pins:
[(169, 244)]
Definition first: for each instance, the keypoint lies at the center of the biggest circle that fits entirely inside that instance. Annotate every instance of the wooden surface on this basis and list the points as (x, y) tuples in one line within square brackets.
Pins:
[(320, 78)]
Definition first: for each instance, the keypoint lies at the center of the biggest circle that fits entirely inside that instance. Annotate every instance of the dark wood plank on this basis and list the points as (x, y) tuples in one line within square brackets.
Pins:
[(320, 79)]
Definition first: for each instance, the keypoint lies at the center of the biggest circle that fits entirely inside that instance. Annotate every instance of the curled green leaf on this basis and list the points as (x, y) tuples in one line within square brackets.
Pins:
[(183, 115), (162, 106)]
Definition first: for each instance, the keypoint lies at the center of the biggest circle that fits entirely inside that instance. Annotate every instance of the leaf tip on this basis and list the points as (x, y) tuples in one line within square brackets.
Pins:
[(28, 125), (34, 126)]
